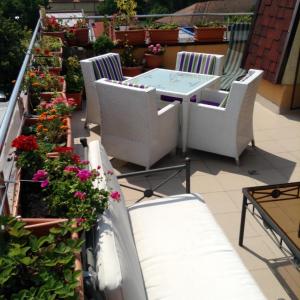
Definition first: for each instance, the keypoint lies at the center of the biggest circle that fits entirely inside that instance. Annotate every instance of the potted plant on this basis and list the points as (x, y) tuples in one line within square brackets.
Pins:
[(154, 55), (51, 62), (78, 35), (209, 31), (42, 85), (125, 23), (74, 80), (163, 33), (39, 266), (130, 65), (103, 44), (49, 45), (51, 26), (62, 187)]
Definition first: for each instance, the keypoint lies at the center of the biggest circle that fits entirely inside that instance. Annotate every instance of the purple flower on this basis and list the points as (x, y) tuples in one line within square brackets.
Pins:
[(71, 169), (45, 183), (115, 196), (84, 175), (40, 175)]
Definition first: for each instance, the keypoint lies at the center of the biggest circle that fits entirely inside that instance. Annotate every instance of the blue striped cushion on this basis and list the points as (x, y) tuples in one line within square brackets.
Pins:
[(108, 66), (140, 86), (196, 63)]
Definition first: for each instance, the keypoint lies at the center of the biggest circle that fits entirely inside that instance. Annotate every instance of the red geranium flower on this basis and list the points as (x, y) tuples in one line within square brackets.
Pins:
[(25, 143), (63, 149)]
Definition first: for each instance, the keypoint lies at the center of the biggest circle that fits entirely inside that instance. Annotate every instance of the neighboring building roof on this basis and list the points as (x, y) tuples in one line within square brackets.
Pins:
[(267, 44), (225, 6)]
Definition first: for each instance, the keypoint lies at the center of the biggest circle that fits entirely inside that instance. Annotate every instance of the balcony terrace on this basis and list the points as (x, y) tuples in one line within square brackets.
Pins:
[(274, 159)]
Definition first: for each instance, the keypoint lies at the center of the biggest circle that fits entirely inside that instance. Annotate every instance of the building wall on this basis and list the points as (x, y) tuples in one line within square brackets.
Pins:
[(290, 70)]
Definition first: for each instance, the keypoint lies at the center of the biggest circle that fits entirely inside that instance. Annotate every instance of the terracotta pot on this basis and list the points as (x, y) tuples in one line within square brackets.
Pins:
[(164, 36), (134, 37), (82, 36), (78, 99), (209, 34), (60, 34), (153, 61), (48, 95), (132, 71)]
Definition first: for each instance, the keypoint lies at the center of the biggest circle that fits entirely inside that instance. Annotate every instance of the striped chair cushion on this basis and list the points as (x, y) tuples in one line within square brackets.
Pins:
[(196, 63), (232, 68), (140, 86), (108, 66), (224, 101)]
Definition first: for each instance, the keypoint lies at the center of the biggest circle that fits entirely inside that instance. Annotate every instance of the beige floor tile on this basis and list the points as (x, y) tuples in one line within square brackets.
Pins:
[(281, 160), (255, 253), (291, 277), (272, 146), (237, 197), (205, 184), (291, 174), (291, 144), (219, 202), (269, 284), (263, 135), (266, 177), (231, 181), (230, 223)]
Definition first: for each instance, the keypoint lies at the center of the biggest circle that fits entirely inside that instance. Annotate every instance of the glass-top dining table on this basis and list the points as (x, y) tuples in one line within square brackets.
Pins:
[(177, 85)]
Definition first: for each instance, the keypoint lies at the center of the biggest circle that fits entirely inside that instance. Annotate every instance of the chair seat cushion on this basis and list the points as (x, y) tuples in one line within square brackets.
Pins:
[(184, 254)]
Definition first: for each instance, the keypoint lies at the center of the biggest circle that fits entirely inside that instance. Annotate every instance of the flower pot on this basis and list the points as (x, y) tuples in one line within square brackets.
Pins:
[(209, 34), (82, 36), (46, 96), (152, 60), (56, 70), (78, 99), (133, 37), (132, 71), (164, 36), (60, 34)]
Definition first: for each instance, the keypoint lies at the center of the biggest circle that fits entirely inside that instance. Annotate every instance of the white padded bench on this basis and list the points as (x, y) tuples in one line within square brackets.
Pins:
[(168, 248)]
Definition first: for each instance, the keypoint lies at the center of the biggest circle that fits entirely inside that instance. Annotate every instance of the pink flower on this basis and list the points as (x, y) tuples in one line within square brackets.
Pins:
[(45, 183), (80, 195), (71, 169), (40, 175), (84, 175), (110, 172), (154, 50), (115, 196), (99, 167), (158, 46), (79, 221), (85, 162)]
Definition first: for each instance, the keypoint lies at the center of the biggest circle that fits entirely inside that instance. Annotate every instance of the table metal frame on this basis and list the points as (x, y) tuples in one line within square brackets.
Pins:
[(274, 231)]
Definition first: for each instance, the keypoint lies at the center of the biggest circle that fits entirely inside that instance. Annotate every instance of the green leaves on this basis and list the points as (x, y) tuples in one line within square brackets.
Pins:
[(34, 267)]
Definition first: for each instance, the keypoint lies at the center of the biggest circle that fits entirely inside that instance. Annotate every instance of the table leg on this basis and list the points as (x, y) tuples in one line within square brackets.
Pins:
[(184, 128), (243, 219)]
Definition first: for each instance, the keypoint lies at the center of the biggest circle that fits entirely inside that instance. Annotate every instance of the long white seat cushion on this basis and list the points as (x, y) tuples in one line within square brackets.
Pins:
[(185, 255)]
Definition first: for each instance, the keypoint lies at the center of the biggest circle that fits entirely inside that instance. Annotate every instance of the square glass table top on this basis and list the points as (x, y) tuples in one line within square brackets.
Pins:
[(173, 81)]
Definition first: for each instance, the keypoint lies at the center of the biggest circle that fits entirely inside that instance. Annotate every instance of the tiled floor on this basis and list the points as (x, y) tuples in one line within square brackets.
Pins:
[(276, 159)]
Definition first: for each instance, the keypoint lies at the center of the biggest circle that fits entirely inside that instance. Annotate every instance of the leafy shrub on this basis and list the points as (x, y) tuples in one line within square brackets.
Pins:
[(103, 45)]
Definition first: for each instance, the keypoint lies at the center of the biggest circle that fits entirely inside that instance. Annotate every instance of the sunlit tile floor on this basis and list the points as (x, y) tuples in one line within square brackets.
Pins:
[(276, 159)]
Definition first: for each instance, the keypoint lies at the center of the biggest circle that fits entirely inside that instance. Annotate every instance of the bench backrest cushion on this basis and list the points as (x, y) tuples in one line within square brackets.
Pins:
[(118, 267)]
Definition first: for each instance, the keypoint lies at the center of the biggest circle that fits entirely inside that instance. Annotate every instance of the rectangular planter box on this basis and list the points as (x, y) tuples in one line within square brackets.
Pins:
[(209, 34), (164, 36), (48, 95), (134, 37), (60, 34)]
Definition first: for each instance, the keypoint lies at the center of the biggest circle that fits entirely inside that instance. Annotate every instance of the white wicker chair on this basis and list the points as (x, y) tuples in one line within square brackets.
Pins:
[(102, 66), (225, 130), (132, 129)]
